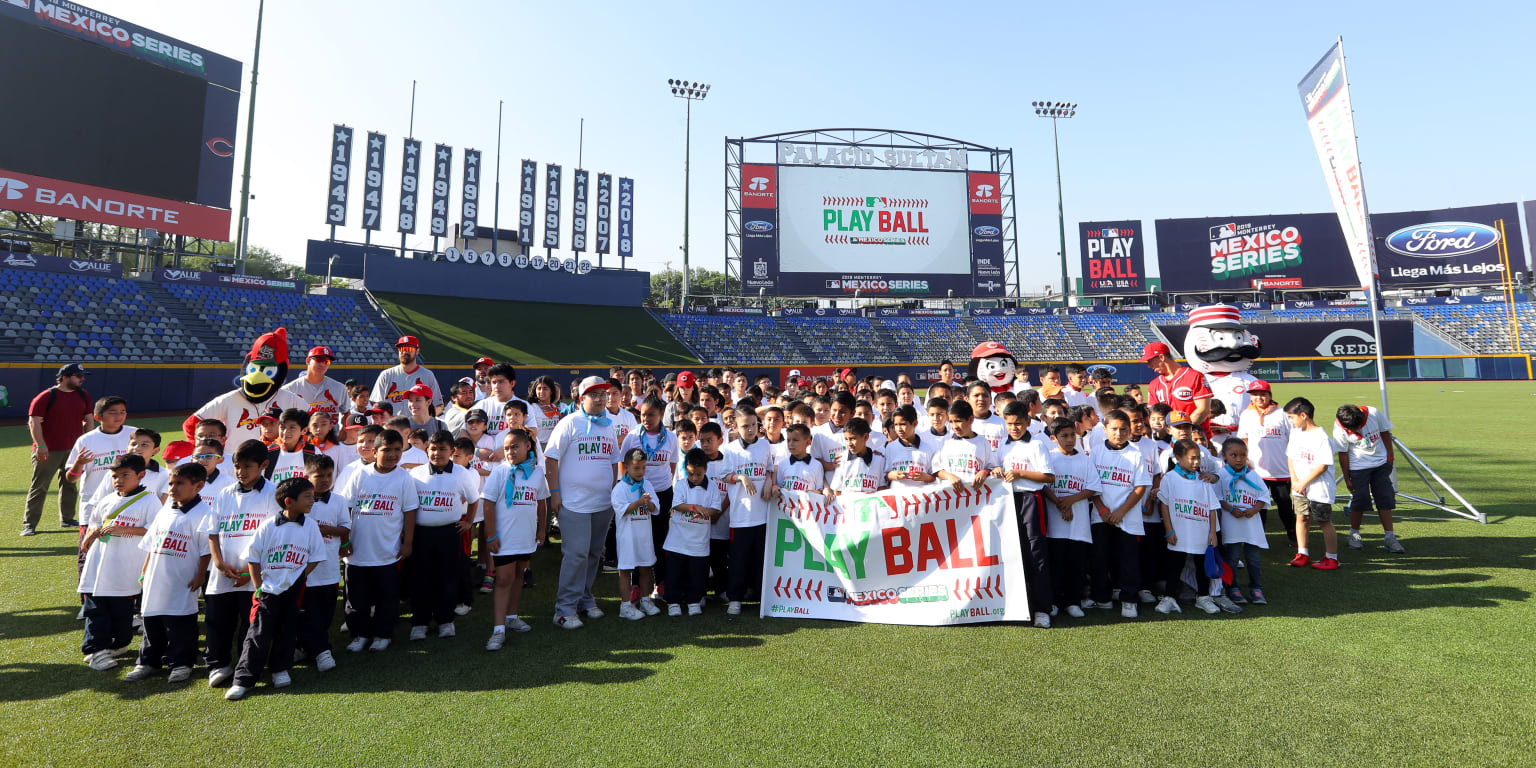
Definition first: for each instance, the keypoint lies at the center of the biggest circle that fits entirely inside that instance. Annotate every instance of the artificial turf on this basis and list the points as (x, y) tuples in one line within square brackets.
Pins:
[(1417, 659)]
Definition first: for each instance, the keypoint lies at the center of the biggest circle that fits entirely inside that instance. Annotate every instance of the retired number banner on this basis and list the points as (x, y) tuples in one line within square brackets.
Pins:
[(442, 183), (469, 212), (929, 556), (373, 182), (341, 176)]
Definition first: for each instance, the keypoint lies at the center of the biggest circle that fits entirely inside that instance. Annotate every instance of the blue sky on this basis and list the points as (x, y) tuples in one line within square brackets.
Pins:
[(1186, 109)]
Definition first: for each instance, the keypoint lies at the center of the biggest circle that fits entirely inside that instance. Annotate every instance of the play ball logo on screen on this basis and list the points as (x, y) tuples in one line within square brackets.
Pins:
[(1442, 239), (758, 226)]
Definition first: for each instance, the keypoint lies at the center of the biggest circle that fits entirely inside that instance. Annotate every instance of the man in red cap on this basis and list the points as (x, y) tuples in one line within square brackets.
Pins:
[(1183, 389), (320, 392), (260, 388), (394, 383), (482, 377)]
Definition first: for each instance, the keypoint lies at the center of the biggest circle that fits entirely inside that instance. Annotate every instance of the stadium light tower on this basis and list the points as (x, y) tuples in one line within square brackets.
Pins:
[(689, 92), (1058, 110)]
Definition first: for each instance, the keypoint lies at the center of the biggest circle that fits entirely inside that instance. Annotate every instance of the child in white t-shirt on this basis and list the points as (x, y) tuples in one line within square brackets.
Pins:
[(113, 561), (174, 571), (514, 503), (237, 513), (1309, 459), (966, 458), (862, 469), (384, 501), (634, 502), (798, 471), (1363, 438), (696, 503), (1069, 515), (1026, 471), (909, 457), (750, 464), (286, 458), (1191, 509), (146, 443), (1242, 523), (1123, 473), (332, 514)]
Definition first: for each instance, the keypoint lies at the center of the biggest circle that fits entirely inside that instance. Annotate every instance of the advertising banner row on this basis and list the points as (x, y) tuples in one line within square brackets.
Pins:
[(1414, 249)]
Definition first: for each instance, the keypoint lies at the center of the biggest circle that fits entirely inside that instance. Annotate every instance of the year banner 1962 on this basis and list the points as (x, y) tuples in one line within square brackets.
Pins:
[(926, 556)]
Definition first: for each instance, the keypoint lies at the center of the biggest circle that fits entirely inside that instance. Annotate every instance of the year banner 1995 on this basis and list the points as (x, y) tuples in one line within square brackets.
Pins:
[(927, 556)]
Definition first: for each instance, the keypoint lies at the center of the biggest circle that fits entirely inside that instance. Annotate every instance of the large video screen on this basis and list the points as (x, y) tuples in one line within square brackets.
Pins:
[(833, 230), (115, 123)]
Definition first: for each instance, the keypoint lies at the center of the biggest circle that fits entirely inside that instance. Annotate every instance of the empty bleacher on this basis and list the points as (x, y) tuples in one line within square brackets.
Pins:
[(1481, 327), (1113, 337), (841, 339), (931, 338), (1031, 337), (64, 317), (345, 321)]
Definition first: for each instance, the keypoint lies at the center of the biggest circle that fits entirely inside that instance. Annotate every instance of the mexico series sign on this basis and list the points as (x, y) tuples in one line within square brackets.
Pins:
[(929, 556)]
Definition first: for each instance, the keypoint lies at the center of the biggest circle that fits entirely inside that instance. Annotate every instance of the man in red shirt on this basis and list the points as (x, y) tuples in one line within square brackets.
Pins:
[(1183, 389), (56, 419)]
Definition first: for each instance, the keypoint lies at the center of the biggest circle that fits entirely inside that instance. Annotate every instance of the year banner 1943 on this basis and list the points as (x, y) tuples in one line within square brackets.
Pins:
[(926, 556)]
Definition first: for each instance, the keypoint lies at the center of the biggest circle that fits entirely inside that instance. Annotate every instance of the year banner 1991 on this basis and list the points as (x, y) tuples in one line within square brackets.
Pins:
[(927, 556)]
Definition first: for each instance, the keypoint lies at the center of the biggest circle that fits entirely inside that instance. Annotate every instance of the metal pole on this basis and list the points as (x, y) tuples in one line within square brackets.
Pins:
[(1061, 212), (496, 214), (581, 141), (687, 154), (250, 127)]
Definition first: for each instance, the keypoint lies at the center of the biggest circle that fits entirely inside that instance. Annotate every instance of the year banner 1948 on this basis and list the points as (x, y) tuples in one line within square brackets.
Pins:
[(925, 556)]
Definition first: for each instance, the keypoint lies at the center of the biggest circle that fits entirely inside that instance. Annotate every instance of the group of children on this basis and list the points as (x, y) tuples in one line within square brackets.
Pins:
[(1116, 501)]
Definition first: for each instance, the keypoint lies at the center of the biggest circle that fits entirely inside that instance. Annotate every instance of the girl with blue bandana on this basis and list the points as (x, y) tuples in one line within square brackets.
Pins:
[(1242, 526), (516, 517), (634, 504), (1191, 510)]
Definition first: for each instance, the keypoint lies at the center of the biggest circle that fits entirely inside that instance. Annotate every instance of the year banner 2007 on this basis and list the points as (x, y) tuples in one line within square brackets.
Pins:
[(929, 556)]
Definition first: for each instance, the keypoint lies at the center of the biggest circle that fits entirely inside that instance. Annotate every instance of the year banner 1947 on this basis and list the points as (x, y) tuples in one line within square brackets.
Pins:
[(925, 556)]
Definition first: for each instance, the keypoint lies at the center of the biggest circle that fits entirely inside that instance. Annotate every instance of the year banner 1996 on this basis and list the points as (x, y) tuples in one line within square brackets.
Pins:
[(928, 556)]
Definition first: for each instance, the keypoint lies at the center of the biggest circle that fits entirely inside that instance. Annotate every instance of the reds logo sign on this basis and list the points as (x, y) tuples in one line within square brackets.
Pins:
[(1183, 393)]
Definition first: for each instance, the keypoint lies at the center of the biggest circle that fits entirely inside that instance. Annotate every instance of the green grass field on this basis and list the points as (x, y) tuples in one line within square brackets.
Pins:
[(1419, 659)]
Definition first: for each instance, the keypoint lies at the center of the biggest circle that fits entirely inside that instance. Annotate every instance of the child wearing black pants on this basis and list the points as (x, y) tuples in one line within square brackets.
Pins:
[(696, 504), (175, 569), (282, 553)]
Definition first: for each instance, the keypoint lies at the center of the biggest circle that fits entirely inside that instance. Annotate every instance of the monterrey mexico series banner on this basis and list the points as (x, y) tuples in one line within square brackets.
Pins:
[(1331, 120), (928, 556)]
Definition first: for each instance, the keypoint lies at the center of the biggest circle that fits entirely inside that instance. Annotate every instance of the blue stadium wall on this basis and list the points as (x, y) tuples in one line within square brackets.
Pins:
[(381, 270)]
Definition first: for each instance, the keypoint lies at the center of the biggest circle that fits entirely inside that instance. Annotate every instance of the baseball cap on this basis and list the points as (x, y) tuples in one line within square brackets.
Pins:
[(272, 412), (380, 407), (408, 341), (176, 450), (888, 384), (1259, 385), (70, 369), (988, 349), (354, 421), (1153, 350), (1179, 419), (324, 352), (685, 379), (794, 373), (590, 384), (477, 414), (484, 361), (420, 390)]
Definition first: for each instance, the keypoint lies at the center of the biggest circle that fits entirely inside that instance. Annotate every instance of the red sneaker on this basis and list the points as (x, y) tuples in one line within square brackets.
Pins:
[(1300, 561), (1327, 564)]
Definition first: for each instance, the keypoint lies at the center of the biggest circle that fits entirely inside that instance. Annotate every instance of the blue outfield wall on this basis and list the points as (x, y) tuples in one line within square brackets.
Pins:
[(606, 287), (183, 388)]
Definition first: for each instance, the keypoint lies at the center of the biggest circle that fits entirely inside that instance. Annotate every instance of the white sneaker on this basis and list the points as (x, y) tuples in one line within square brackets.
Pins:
[(1355, 540), (694, 609), (179, 675), (236, 693), (1168, 605), (1087, 603), (1205, 603), (379, 644), (1128, 610), (733, 608), (357, 644), (1042, 620), (594, 612), (1075, 612), (1146, 596), (1104, 606), (629, 611), (648, 607), (674, 609), (496, 640), (220, 676), (462, 609), (123, 651), (447, 630), (1393, 545), (281, 679), (29, 530), (516, 624), (419, 633), (568, 622), (325, 662), (139, 672)]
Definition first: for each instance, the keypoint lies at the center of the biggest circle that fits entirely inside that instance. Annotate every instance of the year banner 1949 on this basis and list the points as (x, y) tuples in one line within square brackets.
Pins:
[(925, 556)]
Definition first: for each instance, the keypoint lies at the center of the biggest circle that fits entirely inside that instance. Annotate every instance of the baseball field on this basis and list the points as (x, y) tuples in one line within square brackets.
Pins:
[(1424, 658)]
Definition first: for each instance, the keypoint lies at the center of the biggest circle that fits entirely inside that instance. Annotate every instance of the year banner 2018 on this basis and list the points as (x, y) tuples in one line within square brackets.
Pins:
[(929, 556)]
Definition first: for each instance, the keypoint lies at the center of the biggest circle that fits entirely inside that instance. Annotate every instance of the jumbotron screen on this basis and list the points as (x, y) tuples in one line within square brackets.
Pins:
[(112, 108), (871, 231)]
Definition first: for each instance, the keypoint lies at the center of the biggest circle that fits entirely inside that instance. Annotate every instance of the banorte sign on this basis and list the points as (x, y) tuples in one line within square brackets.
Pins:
[(68, 200)]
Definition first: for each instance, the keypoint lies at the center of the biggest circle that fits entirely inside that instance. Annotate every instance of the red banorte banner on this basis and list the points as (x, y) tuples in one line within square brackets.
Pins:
[(68, 200)]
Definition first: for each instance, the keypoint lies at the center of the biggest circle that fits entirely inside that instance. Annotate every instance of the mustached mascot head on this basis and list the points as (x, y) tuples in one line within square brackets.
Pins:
[(995, 365), (266, 367), (1218, 342)]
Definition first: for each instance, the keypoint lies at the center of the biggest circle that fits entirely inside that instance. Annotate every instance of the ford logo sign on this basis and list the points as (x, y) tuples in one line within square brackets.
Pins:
[(758, 226), (987, 231), (1442, 239)]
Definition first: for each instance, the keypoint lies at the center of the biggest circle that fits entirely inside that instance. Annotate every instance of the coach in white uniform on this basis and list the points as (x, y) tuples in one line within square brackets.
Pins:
[(321, 392), (394, 384)]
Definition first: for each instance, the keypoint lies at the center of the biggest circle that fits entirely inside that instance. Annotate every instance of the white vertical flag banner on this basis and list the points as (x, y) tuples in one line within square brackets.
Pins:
[(1331, 120), (926, 556)]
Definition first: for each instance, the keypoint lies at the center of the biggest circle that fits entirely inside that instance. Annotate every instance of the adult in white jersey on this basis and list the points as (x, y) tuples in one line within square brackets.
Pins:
[(319, 391), (394, 384)]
